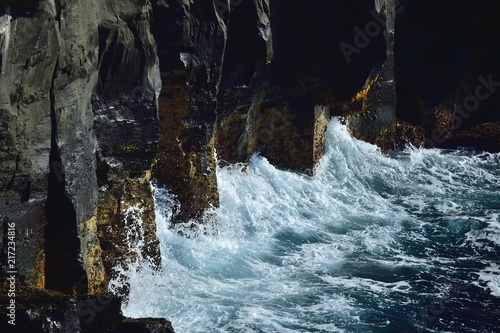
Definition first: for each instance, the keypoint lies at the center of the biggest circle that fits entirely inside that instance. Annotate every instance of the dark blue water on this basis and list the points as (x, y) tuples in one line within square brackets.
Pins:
[(403, 243)]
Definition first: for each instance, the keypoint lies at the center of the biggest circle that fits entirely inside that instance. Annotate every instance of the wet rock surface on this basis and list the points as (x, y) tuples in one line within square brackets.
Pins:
[(40, 311)]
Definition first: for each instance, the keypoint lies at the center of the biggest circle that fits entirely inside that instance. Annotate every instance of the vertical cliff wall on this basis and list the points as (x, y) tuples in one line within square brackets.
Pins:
[(79, 85), (126, 127), (271, 72), (280, 82), (26, 134), (377, 121), (192, 39)]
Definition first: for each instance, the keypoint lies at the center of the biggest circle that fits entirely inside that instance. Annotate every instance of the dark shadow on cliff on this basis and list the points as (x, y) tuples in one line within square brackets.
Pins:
[(439, 63), (63, 267)]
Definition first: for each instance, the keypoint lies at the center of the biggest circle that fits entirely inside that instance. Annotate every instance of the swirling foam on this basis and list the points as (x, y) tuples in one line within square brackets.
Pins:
[(362, 246)]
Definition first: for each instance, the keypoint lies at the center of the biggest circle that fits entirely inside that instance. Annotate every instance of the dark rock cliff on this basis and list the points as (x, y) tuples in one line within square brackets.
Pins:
[(99, 97), (79, 130), (79, 115)]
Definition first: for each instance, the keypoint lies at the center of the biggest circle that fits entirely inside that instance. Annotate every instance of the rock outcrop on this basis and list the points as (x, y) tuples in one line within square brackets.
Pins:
[(79, 129), (43, 311), (255, 76), (125, 107), (192, 38), (376, 123), (80, 83)]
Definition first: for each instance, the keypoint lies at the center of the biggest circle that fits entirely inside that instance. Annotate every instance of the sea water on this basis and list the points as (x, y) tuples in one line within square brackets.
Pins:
[(405, 242)]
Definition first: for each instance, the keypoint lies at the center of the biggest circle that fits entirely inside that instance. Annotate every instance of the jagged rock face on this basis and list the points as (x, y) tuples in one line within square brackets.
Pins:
[(72, 197), (284, 59), (439, 82), (272, 88), (126, 126), (125, 229), (80, 85), (29, 56), (186, 162), (78, 103), (376, 123)]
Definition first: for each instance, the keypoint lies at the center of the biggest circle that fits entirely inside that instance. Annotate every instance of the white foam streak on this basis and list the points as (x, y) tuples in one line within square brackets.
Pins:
[(491, 275)]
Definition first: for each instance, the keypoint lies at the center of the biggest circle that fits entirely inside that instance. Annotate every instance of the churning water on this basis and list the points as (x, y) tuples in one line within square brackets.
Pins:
[(403, 243)]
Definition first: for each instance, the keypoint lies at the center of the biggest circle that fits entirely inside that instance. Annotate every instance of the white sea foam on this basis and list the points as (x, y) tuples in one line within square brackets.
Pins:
[(326, 253), (491, 275)]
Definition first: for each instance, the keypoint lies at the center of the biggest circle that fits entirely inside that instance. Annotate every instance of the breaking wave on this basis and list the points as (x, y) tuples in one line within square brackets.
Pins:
[(408, 242)]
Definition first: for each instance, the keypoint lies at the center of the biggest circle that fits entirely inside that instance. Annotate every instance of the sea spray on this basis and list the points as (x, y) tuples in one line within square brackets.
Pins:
[(371, 243)]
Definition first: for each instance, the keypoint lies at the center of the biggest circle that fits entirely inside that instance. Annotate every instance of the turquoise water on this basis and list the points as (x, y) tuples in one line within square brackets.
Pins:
[(403, 243)]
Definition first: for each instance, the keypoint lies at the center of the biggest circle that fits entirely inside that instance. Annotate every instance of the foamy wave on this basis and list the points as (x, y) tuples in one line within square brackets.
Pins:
[(491, 276), (359, 247)]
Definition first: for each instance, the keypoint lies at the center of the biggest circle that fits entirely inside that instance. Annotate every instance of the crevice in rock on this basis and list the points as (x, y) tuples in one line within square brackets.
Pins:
[(63, 269), (107, 53), (102, 171), (25, 196), (245, 48)]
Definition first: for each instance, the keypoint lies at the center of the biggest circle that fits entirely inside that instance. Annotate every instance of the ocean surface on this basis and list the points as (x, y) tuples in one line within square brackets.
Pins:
[(408, 242)]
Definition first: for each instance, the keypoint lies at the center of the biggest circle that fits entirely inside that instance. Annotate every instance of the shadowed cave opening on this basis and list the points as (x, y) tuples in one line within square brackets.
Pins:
[(63, 268)]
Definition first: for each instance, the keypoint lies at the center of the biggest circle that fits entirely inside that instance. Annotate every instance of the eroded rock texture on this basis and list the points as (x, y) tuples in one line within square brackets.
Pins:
[(282, 81), (79, 85), (192, 38), (126, 126), (26, 132), (376, 123), (265, 67)]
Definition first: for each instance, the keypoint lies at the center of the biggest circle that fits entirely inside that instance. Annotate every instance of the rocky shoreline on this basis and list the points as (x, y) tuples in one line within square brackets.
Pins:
[(39, 310), (97, 98)]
